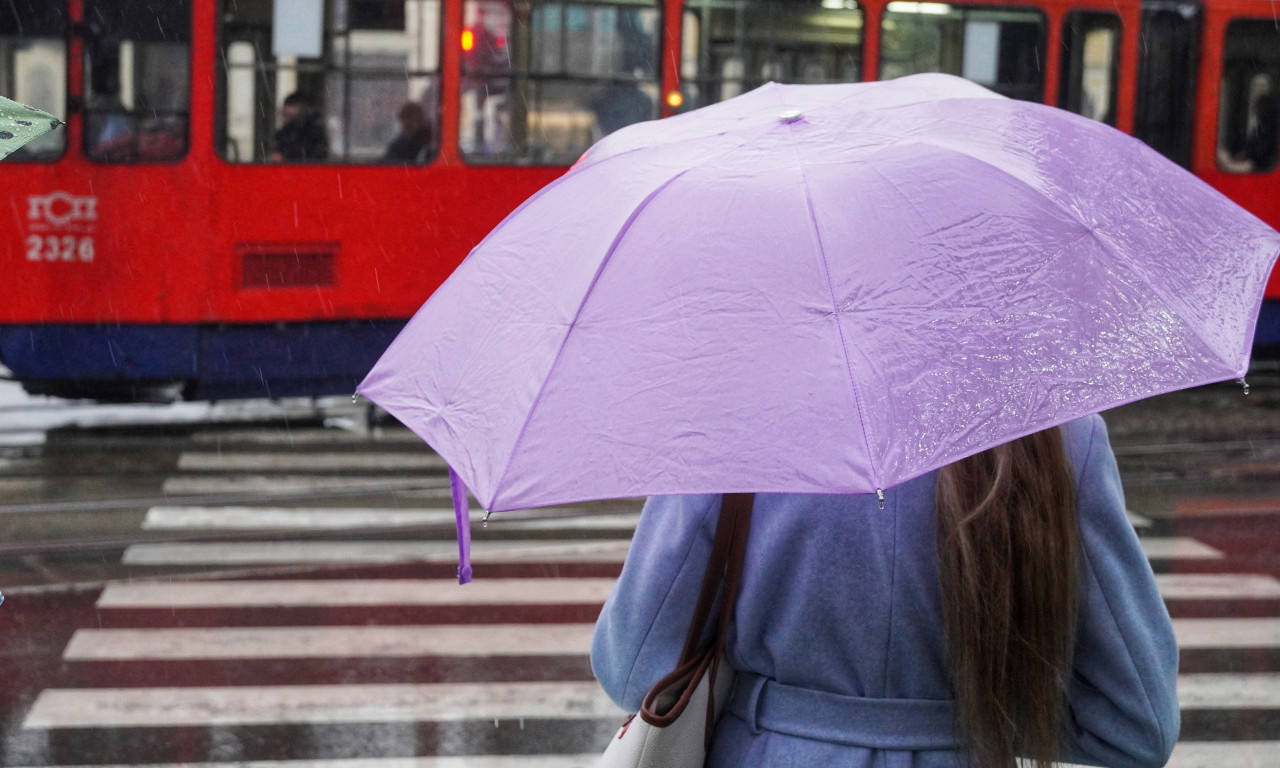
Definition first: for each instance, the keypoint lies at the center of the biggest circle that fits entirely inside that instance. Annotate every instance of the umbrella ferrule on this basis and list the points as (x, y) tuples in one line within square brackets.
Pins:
[(1243, 385), (880, 497)]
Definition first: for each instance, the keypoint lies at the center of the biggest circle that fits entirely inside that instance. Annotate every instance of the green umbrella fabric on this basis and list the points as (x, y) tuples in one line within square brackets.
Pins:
[(20, 124)]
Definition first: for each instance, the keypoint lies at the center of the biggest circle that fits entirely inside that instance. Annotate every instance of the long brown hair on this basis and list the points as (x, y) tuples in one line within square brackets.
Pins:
[(1008, 546)]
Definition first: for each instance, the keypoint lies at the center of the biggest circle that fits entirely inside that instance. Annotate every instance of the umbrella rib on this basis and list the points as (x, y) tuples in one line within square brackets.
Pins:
[(586, 295), (835, 314)]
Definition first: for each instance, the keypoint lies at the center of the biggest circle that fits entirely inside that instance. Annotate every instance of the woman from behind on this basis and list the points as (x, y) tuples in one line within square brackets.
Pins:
[(1001, 607)]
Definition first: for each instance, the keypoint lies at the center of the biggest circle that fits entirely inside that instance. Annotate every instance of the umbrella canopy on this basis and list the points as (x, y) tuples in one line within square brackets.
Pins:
[(828, 288), (20, 124)]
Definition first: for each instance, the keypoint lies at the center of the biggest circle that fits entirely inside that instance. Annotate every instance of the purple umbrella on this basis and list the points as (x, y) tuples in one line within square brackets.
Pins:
[(830, 289)]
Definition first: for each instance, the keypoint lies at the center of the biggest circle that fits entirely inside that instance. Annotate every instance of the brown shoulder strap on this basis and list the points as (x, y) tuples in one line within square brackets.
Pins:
[(724, 569)]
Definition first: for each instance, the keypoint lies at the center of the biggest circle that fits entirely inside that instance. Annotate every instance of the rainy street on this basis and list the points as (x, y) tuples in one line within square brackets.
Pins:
[(264, 581)]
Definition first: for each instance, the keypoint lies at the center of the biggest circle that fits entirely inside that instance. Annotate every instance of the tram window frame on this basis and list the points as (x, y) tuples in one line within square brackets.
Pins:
[(1075, 76), (37, 23), (323, 83), (119, 128), (1249, 99), (967, 15), (712, 70), (494, 129)]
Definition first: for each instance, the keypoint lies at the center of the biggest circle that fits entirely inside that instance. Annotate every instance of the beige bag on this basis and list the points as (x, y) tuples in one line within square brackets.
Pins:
[(675, 723)]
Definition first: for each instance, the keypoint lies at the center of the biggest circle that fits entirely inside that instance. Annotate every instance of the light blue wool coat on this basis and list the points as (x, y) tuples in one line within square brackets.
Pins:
[(837, 635)]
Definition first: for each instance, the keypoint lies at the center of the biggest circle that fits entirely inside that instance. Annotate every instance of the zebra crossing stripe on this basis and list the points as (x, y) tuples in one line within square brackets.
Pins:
[(1227, 633), (260, 553), (352, 592), (1217, 586), (179, 518), (1224, 754), (258, 461), (1203, 754), (328, 438), (198, 485), (1178, 548), (470, 761), (1229, 690), (1139, 521), (249, 518), (312, 704), (330, 642)]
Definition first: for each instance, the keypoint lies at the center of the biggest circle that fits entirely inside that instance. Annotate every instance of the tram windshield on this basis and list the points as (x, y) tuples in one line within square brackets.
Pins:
[(542, 81), (1000, 48), (733, 46), (33, 67), (330, 81), (137, 59), (1249, 106)]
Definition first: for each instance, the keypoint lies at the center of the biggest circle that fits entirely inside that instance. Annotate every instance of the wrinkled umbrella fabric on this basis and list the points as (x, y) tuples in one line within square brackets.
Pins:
[(822, 289), (20, 125)]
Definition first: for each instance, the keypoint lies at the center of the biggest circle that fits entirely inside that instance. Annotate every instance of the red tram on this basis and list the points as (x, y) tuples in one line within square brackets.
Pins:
[(251, 196)]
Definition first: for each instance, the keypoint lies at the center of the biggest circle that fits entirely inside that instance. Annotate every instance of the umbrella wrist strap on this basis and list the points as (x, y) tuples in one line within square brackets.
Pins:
[(462, 519)]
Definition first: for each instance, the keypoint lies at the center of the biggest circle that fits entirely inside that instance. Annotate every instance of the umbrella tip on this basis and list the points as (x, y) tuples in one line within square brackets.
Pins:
[(1243, 385), (880, 497), (790, 115)]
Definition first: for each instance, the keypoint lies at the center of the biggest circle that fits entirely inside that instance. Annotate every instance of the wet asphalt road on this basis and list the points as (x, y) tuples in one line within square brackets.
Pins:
[(277, 587)]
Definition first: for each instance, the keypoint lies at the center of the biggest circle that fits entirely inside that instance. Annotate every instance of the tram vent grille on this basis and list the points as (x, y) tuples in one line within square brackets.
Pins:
[(287, 266)]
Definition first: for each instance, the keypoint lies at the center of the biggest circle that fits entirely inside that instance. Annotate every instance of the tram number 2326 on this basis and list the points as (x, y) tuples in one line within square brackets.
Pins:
[(60, 248)]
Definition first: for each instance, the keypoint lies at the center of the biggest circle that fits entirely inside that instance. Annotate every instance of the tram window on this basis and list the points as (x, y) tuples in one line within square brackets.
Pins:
[(1000, 48), (1165, 108), (733, 46), (138, 82), (1249, 106), (33, 67), (330, 81), (541, 81), (1091, 65)]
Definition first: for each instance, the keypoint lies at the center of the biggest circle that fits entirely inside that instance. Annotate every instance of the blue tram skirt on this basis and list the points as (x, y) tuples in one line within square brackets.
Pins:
[(201, 362)]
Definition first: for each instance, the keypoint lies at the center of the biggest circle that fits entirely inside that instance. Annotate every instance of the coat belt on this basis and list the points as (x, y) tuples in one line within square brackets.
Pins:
[(906, 724)]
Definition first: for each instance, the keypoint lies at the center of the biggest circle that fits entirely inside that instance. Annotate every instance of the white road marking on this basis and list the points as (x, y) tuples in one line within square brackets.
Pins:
[(1257, 690), (181, 518), (1178, 548), (1224, 754), (331, 642), (1227, 633), (1138, 521), (249, 553), (258, 461), (348, 439), (247, 518), (469, 761), (262, 705), (1217, 586), (348, 593)]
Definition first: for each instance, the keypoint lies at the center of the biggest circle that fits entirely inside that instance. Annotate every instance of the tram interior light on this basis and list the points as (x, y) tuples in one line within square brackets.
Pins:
[(839, 5), (936, 9), (468, 40), (674, 99)]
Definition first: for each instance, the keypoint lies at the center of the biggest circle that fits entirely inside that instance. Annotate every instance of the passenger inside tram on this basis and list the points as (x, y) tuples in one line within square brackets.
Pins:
[(414, 142), (301, 136), (1252, 144)]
